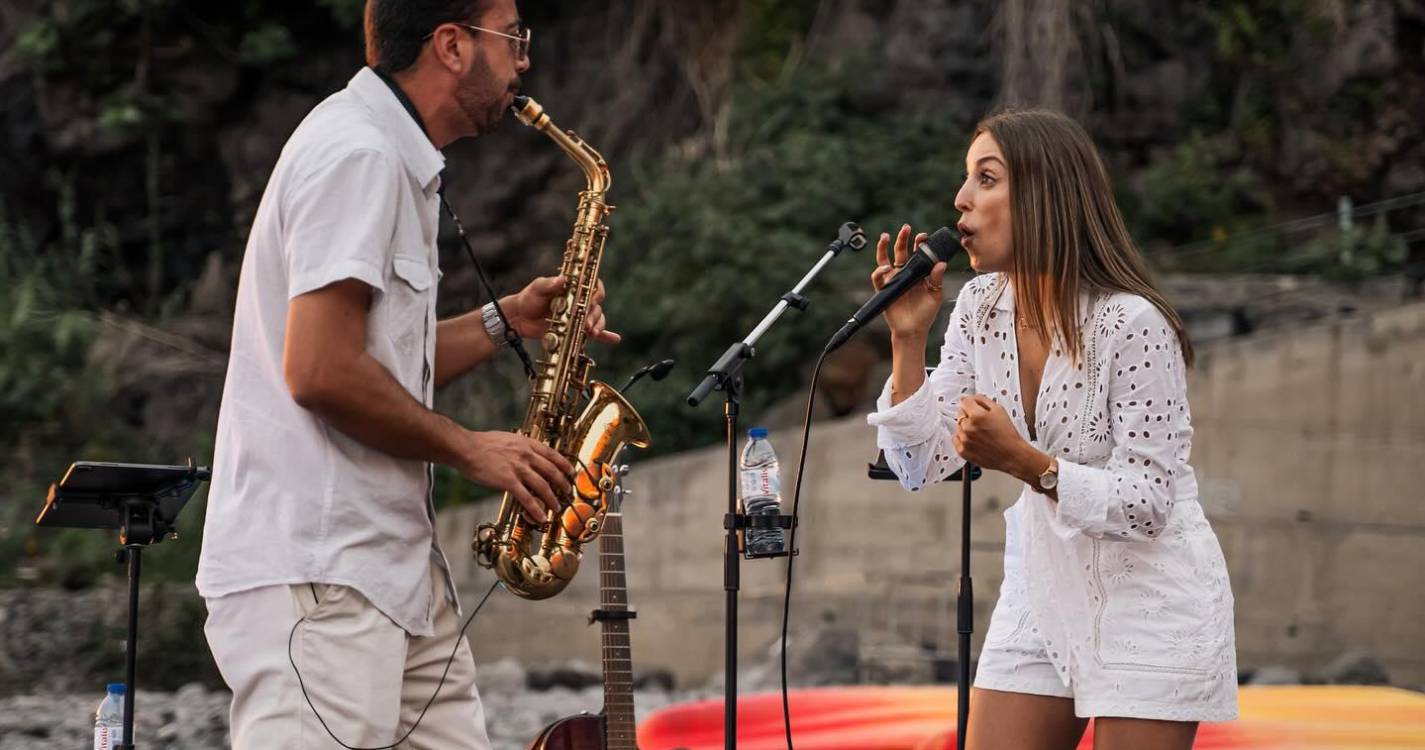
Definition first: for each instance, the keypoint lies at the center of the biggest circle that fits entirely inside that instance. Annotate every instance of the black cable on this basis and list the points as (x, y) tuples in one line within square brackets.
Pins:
[(792, 543), (438, 685), (512, 337)]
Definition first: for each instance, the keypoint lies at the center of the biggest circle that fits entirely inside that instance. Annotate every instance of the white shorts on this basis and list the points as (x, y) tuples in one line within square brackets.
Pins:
[(1014, 660)]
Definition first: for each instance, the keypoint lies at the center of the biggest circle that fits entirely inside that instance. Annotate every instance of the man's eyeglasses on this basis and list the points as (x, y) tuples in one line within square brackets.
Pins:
[(518, 42)]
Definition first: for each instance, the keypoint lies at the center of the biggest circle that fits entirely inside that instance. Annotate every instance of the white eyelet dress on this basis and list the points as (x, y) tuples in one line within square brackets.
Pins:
[(1117, 595)]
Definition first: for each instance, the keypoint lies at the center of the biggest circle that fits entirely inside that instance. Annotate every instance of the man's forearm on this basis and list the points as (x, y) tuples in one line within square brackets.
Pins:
[(365, 402), (460, 344)]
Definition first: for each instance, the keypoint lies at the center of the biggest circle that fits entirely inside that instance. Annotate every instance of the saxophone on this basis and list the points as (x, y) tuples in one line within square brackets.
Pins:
[(538, 561)]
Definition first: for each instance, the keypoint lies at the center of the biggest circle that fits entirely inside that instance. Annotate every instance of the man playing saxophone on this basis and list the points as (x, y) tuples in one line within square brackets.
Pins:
[(319, 544)]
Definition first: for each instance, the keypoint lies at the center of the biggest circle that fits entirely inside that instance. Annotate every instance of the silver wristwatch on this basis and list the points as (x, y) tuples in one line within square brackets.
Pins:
[(493, 324)]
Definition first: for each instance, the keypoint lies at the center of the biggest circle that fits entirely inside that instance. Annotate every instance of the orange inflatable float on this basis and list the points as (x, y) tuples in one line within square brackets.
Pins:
[(923, 718)]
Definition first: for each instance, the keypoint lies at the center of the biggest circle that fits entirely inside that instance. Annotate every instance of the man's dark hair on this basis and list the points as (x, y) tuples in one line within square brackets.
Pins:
[(395, 28)]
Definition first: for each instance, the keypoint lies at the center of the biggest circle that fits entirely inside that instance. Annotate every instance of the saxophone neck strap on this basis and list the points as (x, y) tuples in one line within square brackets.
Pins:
[(401, 97), (415, 114)]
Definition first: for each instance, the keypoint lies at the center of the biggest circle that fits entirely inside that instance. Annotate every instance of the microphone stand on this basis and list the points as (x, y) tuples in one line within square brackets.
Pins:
[(726, 375), (964, 611), (965, 594)]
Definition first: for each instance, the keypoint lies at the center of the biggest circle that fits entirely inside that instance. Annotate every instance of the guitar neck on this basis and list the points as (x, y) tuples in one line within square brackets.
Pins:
[(618, 663)]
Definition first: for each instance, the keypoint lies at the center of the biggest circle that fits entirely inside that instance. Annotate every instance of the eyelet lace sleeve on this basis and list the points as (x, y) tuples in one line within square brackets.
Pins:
[(1131, 496), (915, 434)]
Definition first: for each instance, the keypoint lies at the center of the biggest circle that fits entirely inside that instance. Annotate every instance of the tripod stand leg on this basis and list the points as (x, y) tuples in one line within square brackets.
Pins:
[(134, 554)]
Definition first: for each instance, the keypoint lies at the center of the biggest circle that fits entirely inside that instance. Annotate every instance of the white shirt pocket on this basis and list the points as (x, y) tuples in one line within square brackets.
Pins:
[(408, 304)]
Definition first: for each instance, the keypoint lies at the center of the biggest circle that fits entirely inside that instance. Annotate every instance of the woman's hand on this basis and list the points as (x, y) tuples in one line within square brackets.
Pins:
[(985, 436), (911, 316)]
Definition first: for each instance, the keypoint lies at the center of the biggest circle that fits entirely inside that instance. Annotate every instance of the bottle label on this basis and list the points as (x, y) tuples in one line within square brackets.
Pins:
[(761, 482), (107, 738)]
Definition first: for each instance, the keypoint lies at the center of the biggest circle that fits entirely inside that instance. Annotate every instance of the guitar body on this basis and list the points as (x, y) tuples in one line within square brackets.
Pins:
[(581, 732)]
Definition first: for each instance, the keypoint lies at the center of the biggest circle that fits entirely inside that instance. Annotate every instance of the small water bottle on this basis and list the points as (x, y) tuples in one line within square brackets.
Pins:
[(109, 720), (761, 492)]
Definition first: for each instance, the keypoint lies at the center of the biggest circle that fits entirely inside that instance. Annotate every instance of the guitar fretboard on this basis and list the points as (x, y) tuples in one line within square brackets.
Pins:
[(618, 663)]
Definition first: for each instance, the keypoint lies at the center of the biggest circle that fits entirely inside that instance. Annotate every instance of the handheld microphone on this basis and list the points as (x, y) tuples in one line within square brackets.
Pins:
[(938, 248)]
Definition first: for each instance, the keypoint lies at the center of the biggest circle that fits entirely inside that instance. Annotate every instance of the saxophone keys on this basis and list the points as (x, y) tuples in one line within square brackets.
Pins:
[(563, 564), (551, 341)]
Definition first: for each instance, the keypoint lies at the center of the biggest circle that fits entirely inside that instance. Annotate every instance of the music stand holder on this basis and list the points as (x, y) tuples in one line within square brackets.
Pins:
[(142, 501), (964, 598)]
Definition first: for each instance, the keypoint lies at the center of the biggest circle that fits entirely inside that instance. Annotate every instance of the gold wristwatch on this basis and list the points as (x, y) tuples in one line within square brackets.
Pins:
[(1050, 478)]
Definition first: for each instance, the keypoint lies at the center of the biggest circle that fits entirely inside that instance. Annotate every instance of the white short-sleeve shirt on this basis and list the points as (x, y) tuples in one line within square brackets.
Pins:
[(292, 500)]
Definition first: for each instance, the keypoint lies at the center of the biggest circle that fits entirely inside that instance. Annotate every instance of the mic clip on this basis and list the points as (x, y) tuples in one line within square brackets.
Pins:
[(796, 300), (849, 235)]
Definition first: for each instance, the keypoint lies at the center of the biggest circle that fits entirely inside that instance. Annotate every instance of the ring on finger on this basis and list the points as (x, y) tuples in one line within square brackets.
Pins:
[(897, 265), (933, 287)]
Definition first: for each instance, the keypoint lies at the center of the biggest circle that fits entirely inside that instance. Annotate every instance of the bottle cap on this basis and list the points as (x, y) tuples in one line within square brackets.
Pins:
[(757, 433), (116, 688)]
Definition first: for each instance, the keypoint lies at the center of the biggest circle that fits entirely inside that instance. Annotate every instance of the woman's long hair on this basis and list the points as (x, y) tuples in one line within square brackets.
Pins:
[(1068, 234)]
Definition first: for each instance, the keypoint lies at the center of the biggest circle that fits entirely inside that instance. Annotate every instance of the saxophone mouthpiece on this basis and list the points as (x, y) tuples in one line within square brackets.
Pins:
[(529, 112)]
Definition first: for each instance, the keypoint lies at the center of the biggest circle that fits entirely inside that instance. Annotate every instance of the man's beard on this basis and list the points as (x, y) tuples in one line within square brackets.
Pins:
[(483, 110)]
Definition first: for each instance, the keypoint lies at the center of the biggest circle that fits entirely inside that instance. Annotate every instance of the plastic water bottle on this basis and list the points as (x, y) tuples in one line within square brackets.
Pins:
[(109, 720), (761, 492)]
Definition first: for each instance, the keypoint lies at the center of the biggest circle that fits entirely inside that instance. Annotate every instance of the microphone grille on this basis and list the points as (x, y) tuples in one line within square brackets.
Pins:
[(943, 244)]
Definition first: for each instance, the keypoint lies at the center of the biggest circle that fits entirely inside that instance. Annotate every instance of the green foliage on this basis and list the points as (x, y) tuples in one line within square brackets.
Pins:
[(1202, 187), (347, 13), (267, 44), (702, 248), (55, 405), (1255, 34), (44, 397), (1352, 253), (773, 29), (37, 45), (44, 340)]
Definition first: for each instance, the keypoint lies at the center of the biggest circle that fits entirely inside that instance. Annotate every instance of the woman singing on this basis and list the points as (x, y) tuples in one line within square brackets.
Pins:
[(1064, 367)]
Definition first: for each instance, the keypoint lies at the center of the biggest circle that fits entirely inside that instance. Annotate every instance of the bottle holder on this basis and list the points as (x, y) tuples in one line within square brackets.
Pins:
[(741, 522)]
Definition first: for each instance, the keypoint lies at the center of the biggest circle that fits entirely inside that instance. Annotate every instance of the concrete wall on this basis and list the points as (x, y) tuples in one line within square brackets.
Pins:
[(1311, 446), (1311, 453)]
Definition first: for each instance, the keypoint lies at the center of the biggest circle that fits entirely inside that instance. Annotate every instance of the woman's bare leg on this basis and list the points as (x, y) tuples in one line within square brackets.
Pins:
[(1141, 734), (1018, 721)]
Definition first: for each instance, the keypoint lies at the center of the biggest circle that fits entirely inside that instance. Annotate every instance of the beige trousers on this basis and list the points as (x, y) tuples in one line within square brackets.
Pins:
[(367, 677)]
